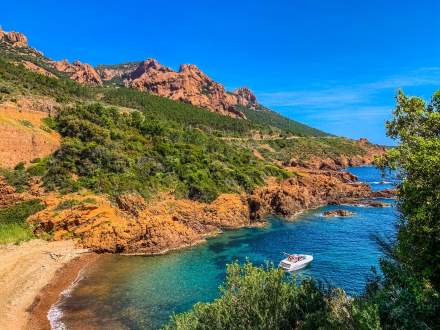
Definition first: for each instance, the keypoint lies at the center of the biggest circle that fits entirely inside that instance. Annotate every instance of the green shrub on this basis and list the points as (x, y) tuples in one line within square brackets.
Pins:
[(26, 123), (67, 204), (266, 298), (114, 152), (13, 226), (17, 178), (408, 293)]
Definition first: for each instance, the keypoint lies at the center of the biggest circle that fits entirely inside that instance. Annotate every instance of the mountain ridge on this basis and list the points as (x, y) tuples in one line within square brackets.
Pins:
[(189, 84)]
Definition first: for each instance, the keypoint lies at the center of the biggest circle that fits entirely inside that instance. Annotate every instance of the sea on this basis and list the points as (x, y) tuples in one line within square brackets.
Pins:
[(143, 292)]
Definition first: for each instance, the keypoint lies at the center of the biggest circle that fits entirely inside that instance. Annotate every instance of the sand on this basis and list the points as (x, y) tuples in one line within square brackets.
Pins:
[(28, 269)]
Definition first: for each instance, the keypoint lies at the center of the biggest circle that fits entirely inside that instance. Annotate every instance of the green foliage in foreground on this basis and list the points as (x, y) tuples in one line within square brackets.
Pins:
[(114, 152), (13, 226), (408, 295), (262, 298)]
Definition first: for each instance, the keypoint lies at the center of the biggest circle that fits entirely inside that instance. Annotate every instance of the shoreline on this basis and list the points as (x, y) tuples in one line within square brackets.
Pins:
[(27, 269), (67, 273), (51, 294)]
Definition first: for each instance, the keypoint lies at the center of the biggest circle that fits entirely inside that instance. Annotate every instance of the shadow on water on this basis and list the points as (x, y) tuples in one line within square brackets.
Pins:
[(142, 292)]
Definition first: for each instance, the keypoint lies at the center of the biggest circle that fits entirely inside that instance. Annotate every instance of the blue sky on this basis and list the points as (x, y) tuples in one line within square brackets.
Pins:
[(332, 64)]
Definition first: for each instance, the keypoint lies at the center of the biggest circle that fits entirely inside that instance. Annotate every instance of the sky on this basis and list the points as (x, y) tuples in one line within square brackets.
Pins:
[(334, 65)]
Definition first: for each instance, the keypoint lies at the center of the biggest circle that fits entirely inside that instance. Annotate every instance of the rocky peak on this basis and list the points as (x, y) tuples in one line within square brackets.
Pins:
[(190, 68), (148, 67), (17, 39), (80, 72), (245, 97), (188, 84)]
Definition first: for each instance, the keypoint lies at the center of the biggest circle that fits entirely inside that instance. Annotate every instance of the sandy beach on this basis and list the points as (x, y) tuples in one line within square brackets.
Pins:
[(32, 275)]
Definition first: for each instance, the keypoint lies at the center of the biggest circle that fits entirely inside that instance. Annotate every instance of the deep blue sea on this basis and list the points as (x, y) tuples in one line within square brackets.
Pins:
[(141, 292)]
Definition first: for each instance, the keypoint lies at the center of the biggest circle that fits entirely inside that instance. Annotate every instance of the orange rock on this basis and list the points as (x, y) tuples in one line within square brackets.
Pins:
[(22, 134), (80, 72), (17, 39), (166, 223), (38, 69), (190, 85)]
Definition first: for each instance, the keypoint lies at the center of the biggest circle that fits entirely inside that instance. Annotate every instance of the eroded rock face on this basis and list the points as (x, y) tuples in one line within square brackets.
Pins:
[(189, 84), (80, 72), (8, 195), (38, 69), (16, 39), (166, 223), (305, 191), (22, 137), (245, 97)]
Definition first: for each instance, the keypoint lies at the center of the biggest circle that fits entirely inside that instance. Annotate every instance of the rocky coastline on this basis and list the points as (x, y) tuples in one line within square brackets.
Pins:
[(131, 225)]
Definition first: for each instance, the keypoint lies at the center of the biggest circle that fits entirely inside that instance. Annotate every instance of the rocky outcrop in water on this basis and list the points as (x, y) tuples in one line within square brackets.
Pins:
[(360, 202), (338, 213)]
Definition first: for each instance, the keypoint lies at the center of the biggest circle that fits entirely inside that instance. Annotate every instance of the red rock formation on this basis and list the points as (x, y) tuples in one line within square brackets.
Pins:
[(38, 69), (22, 138), (80, 72), (245, 97), (17, 39), (167, 223), (190, 85), (8, 195)]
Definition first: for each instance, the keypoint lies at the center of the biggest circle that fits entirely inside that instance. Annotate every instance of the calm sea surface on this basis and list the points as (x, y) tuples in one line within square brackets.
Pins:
[(120, 292)]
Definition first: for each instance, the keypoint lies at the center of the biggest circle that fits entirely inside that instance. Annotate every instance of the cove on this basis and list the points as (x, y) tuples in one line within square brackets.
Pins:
[(141, 292)]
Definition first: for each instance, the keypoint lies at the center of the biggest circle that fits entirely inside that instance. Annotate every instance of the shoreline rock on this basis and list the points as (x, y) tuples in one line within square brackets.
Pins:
[(360, 202), (165, 223), (338, 213)]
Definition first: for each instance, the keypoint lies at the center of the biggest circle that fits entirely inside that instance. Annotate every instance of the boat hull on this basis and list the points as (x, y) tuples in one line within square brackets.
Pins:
[(289, 266)]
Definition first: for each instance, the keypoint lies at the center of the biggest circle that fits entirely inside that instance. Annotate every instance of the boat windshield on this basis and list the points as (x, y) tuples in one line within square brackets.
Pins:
[(295, 258)]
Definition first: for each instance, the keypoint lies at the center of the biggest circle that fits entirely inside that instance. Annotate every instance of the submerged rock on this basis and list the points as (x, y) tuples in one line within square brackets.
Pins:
[(338, 213), (386, 193), (360, 202)]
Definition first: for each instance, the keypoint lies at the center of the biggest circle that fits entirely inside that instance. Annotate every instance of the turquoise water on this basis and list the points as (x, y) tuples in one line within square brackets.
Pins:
[(140, 292)]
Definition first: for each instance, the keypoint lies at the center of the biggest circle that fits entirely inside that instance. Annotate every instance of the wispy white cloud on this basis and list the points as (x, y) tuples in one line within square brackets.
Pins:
[(337, 96), (363, 113)]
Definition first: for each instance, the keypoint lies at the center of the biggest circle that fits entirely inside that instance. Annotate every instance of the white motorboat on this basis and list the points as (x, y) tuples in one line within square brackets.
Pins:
[(294, 262)]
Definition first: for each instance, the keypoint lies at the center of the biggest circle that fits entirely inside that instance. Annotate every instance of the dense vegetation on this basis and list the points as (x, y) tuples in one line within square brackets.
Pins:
[(405, 296), (13, 226), (264, 116), (408, 295), (266, 122), (16, 79), (265, 298), (108, 151), (303, 148)]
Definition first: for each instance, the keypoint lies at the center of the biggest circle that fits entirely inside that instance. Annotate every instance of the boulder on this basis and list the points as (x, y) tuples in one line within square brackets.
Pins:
[(338, 213)]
